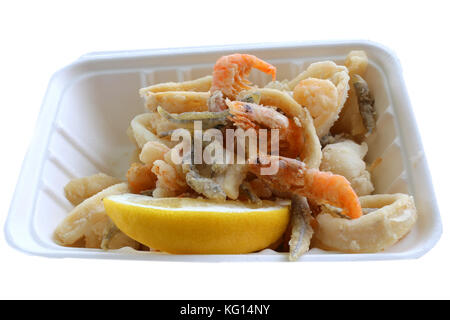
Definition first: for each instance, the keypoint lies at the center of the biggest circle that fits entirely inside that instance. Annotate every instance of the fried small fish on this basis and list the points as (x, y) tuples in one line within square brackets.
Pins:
[(366, 103), (302, 230)]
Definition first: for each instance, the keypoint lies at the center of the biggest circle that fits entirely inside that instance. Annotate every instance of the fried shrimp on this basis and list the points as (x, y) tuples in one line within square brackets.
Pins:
[(168, 178), (321, 98), (295, 178), (152, 151), (250, 115), (140, 177), (246, 114), (230, 77), (318, 96), (171, 179)]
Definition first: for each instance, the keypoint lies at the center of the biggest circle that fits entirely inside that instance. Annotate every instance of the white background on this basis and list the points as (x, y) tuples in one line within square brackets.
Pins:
[(39, 37)]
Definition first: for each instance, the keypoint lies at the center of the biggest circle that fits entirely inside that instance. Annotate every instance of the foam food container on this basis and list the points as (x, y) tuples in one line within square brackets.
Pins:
[(90, 103)]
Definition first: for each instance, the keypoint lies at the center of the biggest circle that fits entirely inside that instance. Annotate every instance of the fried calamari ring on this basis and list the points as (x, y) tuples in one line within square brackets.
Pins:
[(78, 190), (313, 93), (394, 217), (148, 127), (88, 220), (198, 85), (177, 101)]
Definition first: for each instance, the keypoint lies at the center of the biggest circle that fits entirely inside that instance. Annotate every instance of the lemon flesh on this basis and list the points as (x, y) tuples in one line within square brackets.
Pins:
[(198, 226)]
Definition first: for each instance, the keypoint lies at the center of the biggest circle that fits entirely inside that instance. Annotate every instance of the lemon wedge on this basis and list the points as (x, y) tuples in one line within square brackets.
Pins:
[(198, 226)]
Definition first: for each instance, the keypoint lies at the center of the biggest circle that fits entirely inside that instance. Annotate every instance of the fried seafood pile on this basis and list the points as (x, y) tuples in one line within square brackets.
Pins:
[(322, 118)]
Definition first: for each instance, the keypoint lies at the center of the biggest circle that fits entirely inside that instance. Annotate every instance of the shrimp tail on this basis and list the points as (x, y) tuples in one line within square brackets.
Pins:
[(295, 178)]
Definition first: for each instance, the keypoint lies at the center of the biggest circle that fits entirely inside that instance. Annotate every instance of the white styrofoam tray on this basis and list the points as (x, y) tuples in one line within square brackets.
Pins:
[(89, 104)]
